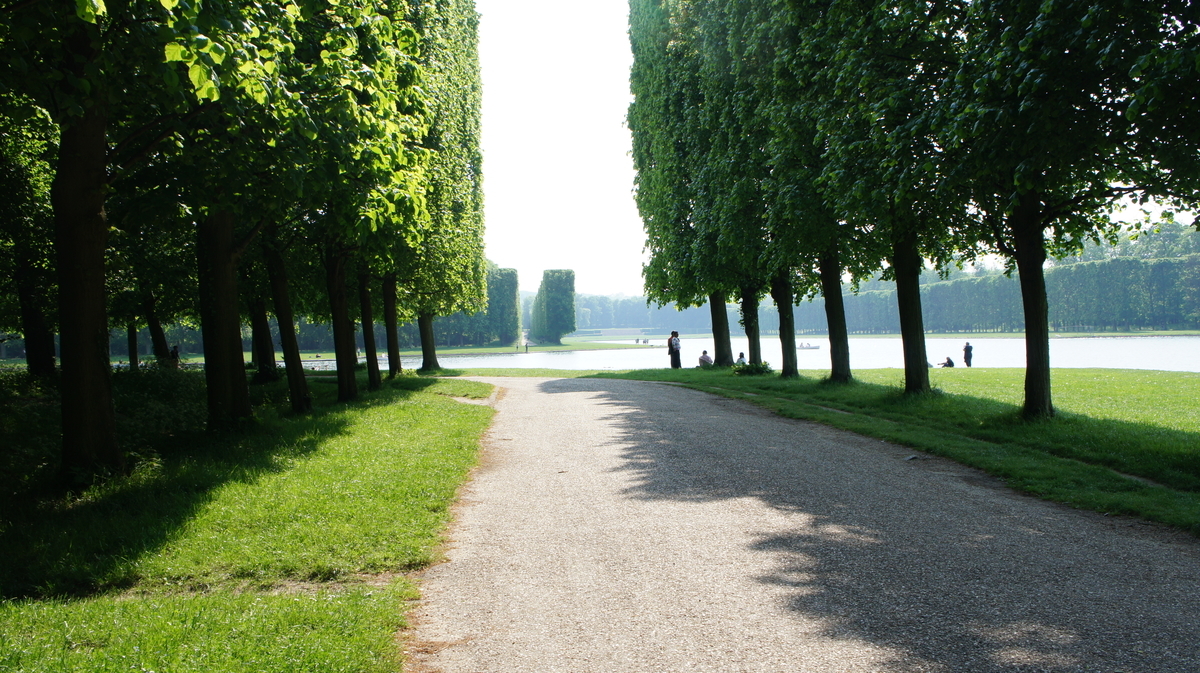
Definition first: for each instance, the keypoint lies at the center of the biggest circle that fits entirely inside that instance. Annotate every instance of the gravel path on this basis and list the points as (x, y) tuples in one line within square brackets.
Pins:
[(626, 526)]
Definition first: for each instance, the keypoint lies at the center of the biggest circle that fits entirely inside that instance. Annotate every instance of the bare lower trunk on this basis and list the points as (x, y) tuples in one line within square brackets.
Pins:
[(390, 320), (1031, 258), (722, 348), (81, 235), (262, 344), (131, 343), (781, 292), (281, 298), (750, 323), (835, 316), (39, 339), (343, 326), (158, 338), (428, 347), (907, 263), (374, 382), (220, 322)]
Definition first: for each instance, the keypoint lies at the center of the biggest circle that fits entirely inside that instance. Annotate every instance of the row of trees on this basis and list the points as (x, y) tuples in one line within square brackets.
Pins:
[(597, 311), (782, 145), (225, 159)]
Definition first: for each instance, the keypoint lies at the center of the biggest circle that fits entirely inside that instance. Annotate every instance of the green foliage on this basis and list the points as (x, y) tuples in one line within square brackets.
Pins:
[(504, 305), (501, 322), (554, 306), (350, 126), (444, 271), (753, 369), (28, 146), (768, 134)]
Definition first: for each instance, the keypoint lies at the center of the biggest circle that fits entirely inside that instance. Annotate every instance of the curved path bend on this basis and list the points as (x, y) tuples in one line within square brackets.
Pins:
[(621, 526)]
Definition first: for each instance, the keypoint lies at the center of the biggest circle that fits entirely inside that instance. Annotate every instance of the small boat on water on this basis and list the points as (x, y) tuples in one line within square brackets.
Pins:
[(808, 347)]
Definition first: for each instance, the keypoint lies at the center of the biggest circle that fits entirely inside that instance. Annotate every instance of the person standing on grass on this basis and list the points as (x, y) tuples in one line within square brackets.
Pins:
[(967, 351), (673, 347)]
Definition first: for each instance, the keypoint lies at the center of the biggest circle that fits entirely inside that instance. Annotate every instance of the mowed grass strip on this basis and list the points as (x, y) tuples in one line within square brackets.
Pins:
[(1123, 442), (274, 549), (371, 498), (336, 631)]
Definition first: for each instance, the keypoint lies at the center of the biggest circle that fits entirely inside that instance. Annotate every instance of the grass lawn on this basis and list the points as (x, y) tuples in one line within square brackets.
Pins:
[(1123, 442), (281, 547)]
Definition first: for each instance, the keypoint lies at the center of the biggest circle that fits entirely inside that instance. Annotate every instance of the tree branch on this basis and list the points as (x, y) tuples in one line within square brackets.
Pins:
[(239, 248), (148, 147)]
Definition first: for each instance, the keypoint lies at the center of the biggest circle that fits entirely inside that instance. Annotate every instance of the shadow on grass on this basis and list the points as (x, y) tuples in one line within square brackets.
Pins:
[(75, 545), (431, 373), (939, 567), (1166, 456)]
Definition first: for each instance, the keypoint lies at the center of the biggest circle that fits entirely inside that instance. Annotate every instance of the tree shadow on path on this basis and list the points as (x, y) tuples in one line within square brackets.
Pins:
[(927, 558)]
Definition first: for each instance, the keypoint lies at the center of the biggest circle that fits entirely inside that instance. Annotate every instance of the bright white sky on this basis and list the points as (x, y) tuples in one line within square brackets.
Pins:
[(557, 172)]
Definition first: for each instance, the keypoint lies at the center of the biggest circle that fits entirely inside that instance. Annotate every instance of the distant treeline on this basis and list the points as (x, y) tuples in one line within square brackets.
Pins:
[(1109, 295), (1116, 294), (1113, 294)]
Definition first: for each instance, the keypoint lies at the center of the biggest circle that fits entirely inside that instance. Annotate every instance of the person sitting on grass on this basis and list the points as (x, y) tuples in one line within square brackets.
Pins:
[(948, 363), (741, 359), (705, 360)]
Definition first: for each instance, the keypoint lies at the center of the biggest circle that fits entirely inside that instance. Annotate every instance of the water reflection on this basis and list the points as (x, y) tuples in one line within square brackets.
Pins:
[(1175, 353)]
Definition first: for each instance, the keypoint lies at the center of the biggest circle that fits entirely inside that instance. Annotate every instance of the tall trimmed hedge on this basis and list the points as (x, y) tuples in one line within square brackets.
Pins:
[(554, 306), (504, 305)]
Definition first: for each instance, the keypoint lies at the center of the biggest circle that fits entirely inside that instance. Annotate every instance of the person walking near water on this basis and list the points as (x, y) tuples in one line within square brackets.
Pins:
[(673, 347), (967, 351)]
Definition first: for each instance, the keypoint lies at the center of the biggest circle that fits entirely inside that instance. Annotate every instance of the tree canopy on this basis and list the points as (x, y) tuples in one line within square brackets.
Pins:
[(890, 136), (193, 159)]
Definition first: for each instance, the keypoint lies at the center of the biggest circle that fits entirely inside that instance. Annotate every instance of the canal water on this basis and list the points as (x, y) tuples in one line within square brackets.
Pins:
[(1171, 353)]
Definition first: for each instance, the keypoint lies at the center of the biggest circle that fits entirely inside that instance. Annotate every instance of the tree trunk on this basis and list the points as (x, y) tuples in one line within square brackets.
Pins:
[(907, 264), (343, 326), (81, 234), (281, 298), (158, 338), (220, 322), (131, 341), (835, 316), (374, 382), (722, 348), (39, 340), (750, 323), (1029, 236), (262, 346), (393, 329), (428, 346), (781, 292)]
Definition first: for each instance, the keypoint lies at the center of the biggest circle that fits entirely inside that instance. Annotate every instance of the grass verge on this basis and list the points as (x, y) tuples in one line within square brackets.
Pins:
[(1123, 442), (277, 548)]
